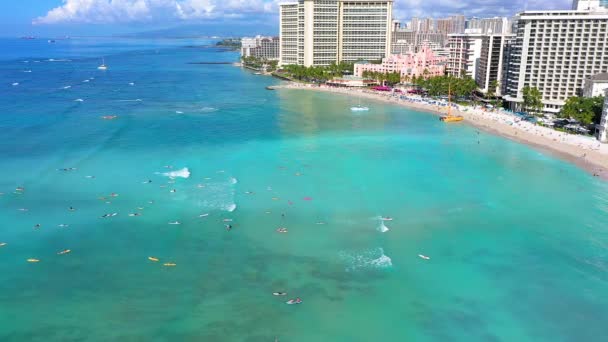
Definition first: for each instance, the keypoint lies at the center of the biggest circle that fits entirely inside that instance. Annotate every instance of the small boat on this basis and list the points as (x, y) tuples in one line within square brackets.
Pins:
[(386, 218), (103, 65), (153, 259), (424, 257), (175, 223), (282, 230), (270, 88), (169, 264), (65, 251), (279, 293), (294, 301), (33, 260), (257, 73), (449, 117)]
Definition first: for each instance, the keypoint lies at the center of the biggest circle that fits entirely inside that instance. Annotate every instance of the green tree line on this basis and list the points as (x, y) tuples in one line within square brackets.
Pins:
[(318, 73)]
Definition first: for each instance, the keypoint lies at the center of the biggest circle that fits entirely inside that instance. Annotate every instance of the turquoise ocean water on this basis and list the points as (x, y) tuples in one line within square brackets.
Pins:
[(517, 240)]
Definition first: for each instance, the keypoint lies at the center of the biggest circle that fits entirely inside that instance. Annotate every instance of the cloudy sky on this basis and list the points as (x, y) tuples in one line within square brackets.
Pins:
[(117, 16)]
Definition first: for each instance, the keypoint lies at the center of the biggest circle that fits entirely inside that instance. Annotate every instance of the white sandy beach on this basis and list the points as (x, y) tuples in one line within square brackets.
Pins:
[(584, 151)]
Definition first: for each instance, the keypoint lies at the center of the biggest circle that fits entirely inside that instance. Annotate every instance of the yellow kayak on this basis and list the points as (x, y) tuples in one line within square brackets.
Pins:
[(169, 264), (33, 260), (65, 251), (153, 259)]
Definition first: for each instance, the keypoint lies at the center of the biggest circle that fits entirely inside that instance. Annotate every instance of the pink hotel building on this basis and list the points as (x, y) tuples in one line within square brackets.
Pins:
[(408, 65)]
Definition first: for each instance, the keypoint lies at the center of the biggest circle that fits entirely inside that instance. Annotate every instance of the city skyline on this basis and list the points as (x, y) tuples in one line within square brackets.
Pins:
[(107, 17)]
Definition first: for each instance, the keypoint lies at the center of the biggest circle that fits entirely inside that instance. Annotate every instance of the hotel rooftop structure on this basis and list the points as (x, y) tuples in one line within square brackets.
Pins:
[(321, 32), (555, 51)]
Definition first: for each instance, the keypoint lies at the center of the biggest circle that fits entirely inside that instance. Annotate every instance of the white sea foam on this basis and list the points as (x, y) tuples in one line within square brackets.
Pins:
[(208, 109), (183, 173), (230, 207), (27, 71), (79, 100), (233, 180), (382, 228), (86, 81), (15, 84), (67, 87), (58, 60), (369, 259), (179, 112)]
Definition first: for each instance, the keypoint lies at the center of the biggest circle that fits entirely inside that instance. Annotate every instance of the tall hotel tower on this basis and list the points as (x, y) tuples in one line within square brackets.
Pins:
[(319, 32)]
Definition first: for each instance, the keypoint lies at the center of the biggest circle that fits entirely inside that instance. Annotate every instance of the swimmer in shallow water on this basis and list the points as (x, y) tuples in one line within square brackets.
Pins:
[(228, 227), (37, 226), (72, 209), (173, 190)]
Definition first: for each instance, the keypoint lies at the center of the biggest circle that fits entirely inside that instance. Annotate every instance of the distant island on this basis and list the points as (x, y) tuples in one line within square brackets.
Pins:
[(229, 43)]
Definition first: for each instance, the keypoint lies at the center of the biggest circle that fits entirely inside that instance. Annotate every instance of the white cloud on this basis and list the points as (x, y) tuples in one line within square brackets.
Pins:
[(126, 11)]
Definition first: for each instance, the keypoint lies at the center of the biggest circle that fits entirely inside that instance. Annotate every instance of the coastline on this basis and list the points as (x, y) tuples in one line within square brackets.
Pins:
[(585, 152)]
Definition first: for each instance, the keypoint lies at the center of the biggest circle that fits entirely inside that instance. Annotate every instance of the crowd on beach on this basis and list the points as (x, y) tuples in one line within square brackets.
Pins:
[(498, 120)]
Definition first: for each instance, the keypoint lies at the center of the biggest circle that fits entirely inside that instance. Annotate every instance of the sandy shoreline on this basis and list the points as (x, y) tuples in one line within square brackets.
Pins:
[(585, 152)]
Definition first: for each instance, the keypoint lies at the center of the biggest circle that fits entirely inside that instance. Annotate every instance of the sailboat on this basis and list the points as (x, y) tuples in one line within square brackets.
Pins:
[(450, 117), (359, 107), (103, 65)]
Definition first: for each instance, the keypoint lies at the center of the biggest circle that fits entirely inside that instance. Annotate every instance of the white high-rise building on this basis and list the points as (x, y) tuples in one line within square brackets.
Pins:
[(555, 51), (321, 32), (260, 47), (465, 51), (490, 63)]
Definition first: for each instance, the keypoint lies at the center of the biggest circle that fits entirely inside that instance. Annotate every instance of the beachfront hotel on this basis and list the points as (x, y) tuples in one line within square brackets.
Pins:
[(424, 63), (489, 67), (465, 51), (321, 32), (260, 47), (555, 51)]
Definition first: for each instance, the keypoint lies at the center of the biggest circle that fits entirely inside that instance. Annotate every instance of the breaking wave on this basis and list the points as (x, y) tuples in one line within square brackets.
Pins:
[(183, 173), (366, 260)]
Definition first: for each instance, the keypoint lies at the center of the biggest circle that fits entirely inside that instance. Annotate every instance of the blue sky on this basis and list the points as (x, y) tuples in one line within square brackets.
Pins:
[(73, 17)]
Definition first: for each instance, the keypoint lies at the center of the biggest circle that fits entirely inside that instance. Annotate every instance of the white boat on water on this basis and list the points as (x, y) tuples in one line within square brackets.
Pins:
[(103, 65), (359, 108)]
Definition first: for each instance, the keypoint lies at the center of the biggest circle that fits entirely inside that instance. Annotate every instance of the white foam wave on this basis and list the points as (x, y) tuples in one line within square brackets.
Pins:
[(67, 87), (382, 228), (27, 71), (79, 100), (208, 109), (369, 259), (233, 180), (183, 173), (230, 207), (57, 60), (15, 84)]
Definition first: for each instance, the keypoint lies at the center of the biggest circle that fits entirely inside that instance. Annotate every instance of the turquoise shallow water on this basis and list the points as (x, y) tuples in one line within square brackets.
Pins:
[(517, 239)]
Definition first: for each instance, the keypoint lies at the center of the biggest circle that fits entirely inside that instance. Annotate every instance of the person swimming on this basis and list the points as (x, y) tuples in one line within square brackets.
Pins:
[(37, 226), (173, 190), (282, 230), (72, 209), (228, 227)]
